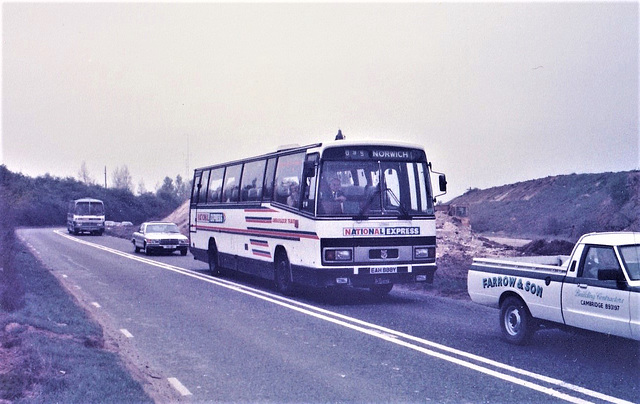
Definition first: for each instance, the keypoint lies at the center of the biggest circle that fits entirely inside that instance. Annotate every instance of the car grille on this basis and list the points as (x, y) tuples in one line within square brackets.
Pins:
[(169, 242)]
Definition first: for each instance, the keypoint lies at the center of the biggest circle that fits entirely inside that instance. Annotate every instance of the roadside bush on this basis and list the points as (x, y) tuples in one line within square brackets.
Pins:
[(11, 289), (43, 201)]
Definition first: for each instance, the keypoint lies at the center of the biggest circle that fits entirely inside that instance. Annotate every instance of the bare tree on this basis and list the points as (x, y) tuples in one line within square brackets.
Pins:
[(83, 174), (122, 178), (142, 189)]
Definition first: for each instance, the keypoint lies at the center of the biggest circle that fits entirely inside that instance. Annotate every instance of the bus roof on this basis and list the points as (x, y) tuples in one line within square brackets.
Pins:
[(88, 200), (319, 148)]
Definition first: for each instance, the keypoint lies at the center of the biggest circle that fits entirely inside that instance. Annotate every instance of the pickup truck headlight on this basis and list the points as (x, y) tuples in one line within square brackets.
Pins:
[(424, 252), (184, 242), (338, 255)]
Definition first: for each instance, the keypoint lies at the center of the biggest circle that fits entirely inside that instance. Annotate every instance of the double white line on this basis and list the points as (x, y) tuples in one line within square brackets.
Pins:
[(543, 384)]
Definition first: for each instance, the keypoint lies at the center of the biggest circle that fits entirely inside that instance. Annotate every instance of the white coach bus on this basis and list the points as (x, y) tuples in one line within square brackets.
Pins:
[(341, 213), (86, 215)]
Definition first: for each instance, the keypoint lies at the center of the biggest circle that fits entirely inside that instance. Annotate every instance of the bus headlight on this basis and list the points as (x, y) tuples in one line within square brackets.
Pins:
[(424, 252), (338, 255)]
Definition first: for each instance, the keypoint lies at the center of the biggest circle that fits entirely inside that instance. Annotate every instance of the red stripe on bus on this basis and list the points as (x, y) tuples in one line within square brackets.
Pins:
[(257, 232)]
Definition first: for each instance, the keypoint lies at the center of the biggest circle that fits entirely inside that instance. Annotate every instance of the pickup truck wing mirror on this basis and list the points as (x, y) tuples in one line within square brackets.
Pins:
[(611, 275)]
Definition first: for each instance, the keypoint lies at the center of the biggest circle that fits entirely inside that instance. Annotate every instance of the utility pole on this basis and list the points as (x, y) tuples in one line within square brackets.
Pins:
[(105, 177)]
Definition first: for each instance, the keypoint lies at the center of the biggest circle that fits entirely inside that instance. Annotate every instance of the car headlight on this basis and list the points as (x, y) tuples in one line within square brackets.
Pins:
[(338, 255), (186, 242), (152, 241), (424, 252)]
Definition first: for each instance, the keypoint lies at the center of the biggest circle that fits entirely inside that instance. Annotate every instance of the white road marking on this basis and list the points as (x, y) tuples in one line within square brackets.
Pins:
[(126, 333), (96, 304), (452, 355), (179, 386)]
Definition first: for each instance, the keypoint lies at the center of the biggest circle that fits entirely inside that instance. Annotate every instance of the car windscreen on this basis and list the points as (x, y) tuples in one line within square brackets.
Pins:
[(162, 228)]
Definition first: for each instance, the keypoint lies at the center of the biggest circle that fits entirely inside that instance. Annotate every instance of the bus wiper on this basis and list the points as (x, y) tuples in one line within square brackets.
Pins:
[(368, 203), (403, 211)]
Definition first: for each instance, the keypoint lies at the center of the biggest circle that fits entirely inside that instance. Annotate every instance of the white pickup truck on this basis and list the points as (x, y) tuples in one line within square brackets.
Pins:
[(597, 288)]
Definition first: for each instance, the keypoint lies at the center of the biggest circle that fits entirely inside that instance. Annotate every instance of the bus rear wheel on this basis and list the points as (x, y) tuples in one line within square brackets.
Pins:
[(282, 275), (214, 264)]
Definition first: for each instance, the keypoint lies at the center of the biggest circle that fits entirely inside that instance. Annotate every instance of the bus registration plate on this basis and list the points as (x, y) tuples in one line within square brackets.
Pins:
[(383, 270)]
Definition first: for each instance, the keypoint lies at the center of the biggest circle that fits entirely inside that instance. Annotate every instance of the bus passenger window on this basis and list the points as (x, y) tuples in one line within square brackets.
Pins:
[(288, 176), (194, 189), (202, 192), (215, 185), (232, 183), (268, 179), (252, 179)]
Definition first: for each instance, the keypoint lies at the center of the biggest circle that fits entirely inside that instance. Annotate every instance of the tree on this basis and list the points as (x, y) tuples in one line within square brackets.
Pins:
[(122, 178), (182, 189), (141, 188), (83, 174), (167, 191)]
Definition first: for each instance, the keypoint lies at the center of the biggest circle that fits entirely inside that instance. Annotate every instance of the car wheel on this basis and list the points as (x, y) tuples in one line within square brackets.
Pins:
[(283, 278), (135, 246), (515, 321), (147, 251), (183, 252)]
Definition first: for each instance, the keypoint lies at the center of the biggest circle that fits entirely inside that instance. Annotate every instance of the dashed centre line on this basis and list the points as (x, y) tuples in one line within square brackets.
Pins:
[(126, 333), (179, 386)]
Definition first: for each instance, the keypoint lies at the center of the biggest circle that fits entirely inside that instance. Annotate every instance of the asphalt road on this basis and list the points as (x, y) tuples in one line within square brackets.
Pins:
[(235, 339)]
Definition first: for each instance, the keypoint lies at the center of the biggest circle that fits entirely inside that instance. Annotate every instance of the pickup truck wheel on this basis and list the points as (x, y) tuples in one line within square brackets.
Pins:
[(516, 321)]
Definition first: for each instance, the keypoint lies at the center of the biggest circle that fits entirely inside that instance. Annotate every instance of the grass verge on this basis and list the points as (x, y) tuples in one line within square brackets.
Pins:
[(50, 349)]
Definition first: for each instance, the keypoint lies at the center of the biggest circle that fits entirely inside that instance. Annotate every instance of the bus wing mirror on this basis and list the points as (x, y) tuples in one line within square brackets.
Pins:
[(309, 169), (442, 179)]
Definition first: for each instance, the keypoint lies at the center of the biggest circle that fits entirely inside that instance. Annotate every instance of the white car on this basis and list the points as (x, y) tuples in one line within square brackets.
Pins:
[(159, 237)]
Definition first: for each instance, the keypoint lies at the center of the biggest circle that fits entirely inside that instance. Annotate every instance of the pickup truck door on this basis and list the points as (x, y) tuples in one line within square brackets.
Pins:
[(592, 304)]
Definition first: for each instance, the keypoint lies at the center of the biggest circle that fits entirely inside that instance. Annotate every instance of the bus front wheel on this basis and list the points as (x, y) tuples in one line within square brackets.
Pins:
[(284, 281)]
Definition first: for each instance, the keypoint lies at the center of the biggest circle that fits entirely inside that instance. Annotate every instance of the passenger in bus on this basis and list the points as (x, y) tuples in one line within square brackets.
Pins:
[(335, 191), (332, 197), (294, 195)]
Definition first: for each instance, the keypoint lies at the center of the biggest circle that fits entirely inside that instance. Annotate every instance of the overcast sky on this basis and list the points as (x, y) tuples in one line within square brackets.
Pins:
[(496, 92)]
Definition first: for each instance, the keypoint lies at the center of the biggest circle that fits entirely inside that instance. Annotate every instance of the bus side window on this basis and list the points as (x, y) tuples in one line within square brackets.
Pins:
[(215, 185), (232, 183), (268, 179), (288, 176), (252, 180), (194, 190), (202, 191)]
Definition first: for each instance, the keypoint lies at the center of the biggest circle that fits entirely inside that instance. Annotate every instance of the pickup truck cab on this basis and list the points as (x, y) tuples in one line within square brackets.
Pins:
[(596, 288)]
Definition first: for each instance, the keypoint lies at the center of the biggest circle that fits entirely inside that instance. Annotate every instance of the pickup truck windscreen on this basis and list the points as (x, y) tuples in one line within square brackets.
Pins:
[(631, 259)]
